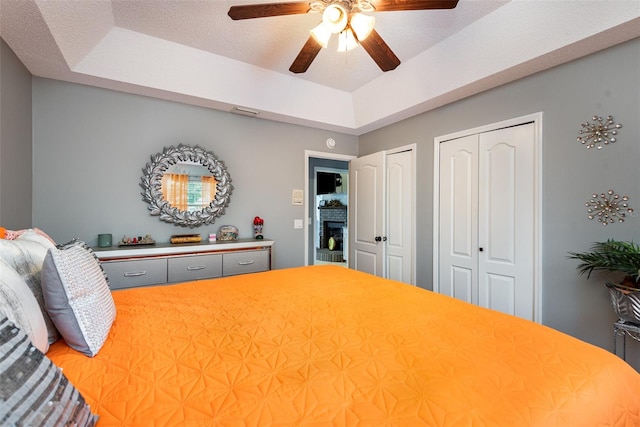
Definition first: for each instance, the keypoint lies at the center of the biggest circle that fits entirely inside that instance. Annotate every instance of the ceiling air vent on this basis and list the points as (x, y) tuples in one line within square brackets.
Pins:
[(244, 111)]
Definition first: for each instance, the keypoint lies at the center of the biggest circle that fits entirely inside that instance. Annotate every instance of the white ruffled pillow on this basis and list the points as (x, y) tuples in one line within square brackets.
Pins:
[(26, 255), (19, 305)]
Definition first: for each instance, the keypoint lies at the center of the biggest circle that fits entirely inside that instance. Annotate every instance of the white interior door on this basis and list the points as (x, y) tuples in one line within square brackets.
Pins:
[(400, 223), (458, 228), (366, 214), (487, 221), (505, 215)]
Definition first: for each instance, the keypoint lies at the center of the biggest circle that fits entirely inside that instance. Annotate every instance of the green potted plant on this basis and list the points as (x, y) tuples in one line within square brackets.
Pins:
[(616, 257)]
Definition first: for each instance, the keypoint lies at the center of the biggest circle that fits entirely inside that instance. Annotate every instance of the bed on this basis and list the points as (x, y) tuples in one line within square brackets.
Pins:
[(326, 345)]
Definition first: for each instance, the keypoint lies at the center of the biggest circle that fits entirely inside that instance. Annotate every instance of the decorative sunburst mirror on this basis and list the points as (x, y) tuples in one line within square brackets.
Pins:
[(599, 132), (608, 208)]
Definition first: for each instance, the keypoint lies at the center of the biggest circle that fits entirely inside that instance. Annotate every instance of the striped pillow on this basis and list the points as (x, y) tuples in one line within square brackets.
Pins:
[(34, 391)]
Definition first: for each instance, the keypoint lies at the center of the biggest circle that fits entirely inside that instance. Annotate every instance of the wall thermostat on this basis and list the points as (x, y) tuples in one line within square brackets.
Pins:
[(297, 197)]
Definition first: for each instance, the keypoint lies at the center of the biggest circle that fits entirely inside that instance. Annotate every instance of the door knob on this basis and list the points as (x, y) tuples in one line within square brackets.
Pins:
[(378, 239), (481, 249)]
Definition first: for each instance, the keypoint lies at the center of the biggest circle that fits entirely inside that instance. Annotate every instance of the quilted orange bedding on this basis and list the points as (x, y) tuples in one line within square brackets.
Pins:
[(324, 345)]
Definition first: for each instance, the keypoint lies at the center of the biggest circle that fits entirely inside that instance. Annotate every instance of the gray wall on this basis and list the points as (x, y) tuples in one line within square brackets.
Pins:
[(15, 141), (91, 144), (605, 83)]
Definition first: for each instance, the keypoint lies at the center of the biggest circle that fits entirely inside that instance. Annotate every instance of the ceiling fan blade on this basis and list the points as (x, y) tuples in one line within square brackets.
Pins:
[(266, 10), (380, 52), (306, 56), (391, 5)]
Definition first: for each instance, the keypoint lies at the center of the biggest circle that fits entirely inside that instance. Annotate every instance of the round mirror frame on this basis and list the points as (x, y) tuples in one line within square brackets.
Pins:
[(151, 184)]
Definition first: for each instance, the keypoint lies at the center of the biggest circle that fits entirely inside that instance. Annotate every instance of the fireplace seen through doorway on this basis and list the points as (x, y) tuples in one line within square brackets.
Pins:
[(332, 224)]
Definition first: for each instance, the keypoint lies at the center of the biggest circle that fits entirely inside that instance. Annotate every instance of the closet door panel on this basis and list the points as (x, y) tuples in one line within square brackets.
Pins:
[(400, 224), (367, 214), (458, 231), (506, 218), (497, 197), (500, 293), (462, 283)]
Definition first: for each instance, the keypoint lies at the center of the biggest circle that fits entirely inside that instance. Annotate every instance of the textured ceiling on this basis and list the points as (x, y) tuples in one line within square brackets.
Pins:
[(273, 43), (191, 51)]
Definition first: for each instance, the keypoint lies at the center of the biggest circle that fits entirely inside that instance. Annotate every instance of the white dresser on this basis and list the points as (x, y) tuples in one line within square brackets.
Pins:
[(129, 267)]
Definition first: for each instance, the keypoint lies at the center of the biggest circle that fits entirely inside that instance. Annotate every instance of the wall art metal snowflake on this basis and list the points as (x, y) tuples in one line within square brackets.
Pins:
[(608, 208), (599, 133)]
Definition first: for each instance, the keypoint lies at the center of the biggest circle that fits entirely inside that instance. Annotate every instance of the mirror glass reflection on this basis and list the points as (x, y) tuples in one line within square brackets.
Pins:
[(188, 186)]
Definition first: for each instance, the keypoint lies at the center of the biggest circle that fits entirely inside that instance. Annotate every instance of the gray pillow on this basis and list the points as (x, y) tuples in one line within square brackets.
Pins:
[(20, 306), (77, 296), (34, 391)]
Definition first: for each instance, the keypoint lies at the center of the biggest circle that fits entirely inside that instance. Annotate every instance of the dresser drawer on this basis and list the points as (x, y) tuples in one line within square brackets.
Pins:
[(186, 268), (134, 273), (245, 262)]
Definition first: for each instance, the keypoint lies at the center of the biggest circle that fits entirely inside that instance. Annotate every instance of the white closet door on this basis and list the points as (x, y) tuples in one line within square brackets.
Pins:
[(506, 218), (487, 221), (458, 228)]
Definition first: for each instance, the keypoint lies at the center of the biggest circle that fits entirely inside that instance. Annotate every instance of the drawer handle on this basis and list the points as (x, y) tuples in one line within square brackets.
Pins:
[(248, 262), (195, 267), (135, 274)]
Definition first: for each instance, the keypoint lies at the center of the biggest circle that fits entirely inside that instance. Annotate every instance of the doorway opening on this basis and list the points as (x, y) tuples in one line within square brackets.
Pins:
[(330, 213), (327, 226)]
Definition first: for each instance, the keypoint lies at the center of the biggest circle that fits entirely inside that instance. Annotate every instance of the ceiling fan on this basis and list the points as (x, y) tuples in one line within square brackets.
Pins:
[(344, 18)]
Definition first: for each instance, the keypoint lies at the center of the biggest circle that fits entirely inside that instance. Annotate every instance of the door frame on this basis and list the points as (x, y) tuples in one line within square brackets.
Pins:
[(308, 154), (536, 119)]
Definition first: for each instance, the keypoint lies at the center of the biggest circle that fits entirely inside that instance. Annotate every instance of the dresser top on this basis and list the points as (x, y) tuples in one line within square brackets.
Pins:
[(179, 248)]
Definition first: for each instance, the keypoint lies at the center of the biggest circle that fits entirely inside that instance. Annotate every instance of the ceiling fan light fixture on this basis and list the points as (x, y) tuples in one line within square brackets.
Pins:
[(321, 33), (362, 25), (335, 17), (346, 41)]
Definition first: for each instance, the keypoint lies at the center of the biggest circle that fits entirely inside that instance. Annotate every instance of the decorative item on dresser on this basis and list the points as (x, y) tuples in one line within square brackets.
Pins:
[(185, 238), (258, 224), (135, 241), (227, 233), (167, 263), (105, 240)]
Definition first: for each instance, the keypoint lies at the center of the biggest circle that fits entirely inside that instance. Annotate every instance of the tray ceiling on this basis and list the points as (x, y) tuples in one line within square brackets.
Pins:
[(192, 52)]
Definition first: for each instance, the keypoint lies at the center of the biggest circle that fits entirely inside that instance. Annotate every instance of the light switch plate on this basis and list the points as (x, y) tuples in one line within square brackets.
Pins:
[(297, 223)]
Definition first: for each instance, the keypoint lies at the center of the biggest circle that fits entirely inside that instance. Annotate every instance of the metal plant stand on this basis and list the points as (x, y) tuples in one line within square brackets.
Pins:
[(623, 328)]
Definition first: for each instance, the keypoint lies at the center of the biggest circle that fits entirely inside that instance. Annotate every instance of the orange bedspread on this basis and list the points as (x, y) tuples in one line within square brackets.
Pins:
[(330, 346)]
